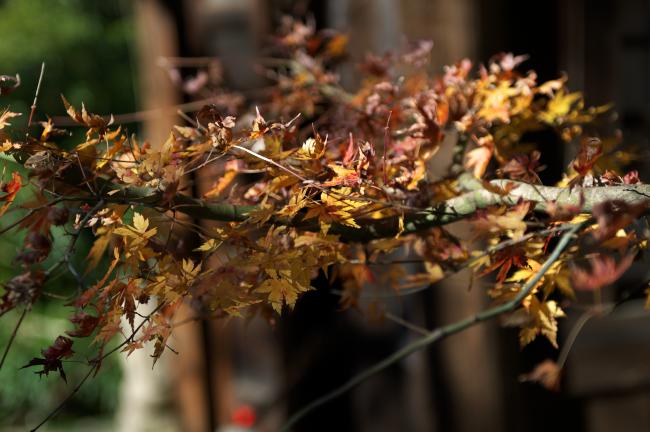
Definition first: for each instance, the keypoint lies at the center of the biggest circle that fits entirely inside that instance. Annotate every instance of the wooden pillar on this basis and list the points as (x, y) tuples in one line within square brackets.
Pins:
[(173, 397)]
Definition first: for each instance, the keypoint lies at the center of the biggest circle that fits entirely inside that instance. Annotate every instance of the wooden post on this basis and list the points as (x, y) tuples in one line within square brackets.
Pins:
[(149, 397)]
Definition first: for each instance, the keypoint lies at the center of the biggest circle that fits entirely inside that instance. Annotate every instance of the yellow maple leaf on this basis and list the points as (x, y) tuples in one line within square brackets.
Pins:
[(280, 292), (190, 270), (140, 223), (312, 148), (209, 246), (496, 102), (543, 320), (525, 274), (560, 106), (139, 228)]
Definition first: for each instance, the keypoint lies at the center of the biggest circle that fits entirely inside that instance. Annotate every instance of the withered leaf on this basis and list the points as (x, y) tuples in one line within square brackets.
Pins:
[(8, 84), (52, 356)]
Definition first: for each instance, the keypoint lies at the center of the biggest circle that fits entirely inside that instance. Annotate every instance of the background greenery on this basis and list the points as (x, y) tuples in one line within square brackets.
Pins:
[(87, 46)]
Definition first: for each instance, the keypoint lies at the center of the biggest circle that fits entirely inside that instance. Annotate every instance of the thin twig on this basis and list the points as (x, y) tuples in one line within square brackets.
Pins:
[(575, 331), (436, 335), (13, 336), (18, 222), (274, 163), (38, 89), (415, 328), (67, 399), (386, 145)]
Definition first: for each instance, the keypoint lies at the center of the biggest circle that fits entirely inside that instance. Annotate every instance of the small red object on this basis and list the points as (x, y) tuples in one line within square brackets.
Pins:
[(244, 416)]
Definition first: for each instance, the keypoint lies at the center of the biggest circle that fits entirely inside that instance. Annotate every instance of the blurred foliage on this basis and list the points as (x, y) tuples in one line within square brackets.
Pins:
[(78, 40)]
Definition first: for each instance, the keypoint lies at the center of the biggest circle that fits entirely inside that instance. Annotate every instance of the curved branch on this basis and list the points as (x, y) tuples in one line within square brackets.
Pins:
[(436, 335)]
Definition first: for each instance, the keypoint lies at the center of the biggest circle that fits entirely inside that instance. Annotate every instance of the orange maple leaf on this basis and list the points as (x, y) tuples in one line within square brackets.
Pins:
[(11, 189)]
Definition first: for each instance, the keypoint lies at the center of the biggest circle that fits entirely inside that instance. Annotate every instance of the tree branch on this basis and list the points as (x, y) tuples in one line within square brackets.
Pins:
[(446, 212), (436, 335)]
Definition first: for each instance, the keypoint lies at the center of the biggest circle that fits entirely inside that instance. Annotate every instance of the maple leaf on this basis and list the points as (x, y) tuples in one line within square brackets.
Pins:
[(190, 270), (632, 178), (335, 207), (542, 319), (559, 106), (139, 230), (125, 296), (5, 116), (224, 181), (510, 221), (280, 292), (98, 248), (10, 189), (550, 87), (109, 325), (525, 273), (85, 324), (524, 168), (297, 202), (93, 122), (504, 260), (140, 223), (478, 159), (614, 215), (344, 176), (604, 271), (209, 245), (502, 190), (590, 150), (220, 131), (52, 356), (259, 125), (546, 373), (495, 104), (312, 148)]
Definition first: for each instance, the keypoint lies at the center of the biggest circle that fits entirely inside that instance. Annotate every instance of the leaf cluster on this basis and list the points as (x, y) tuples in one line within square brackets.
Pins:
[(352, 184)]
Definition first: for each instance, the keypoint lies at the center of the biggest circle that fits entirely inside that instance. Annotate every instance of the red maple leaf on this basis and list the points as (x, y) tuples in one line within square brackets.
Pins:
[(604, 271), (52, 356), (85, 324)]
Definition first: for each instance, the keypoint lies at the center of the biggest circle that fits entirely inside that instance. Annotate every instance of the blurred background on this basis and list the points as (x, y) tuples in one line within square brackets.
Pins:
[(121, 56)]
